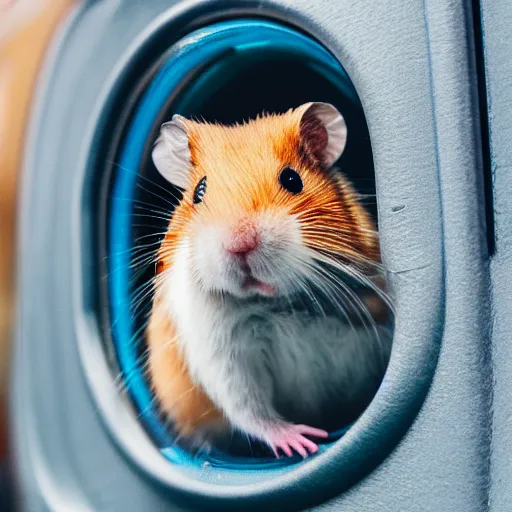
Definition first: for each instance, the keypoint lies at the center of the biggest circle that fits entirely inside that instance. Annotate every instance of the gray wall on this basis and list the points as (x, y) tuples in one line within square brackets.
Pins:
[(76, 444), (497, 20)]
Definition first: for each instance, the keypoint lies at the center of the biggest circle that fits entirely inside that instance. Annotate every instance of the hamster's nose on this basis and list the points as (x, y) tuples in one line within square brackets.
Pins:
[(243, 238)]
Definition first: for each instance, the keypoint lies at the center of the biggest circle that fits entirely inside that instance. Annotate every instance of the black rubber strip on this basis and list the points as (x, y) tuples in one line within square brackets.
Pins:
[(484, 123)]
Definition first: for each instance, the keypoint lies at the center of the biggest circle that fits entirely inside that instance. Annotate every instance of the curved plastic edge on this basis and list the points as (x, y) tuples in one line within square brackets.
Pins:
[(395, 405), (241, 35), (57, 492)]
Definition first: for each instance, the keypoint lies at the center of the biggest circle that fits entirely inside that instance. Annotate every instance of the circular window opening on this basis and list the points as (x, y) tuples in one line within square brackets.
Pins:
[(227, 73)]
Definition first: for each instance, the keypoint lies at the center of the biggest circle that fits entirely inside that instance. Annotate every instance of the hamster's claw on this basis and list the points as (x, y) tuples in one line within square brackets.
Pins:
[(293, 437)]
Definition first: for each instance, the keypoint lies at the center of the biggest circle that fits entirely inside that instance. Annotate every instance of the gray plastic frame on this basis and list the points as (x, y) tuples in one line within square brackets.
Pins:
[(410, 65), (497, 22)]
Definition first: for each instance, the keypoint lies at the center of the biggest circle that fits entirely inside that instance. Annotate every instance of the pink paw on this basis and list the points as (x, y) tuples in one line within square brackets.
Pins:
[(292, 437)]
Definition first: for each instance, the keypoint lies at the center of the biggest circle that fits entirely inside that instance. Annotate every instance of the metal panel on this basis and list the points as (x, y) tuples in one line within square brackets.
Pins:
[(411, 64), (496, 25)]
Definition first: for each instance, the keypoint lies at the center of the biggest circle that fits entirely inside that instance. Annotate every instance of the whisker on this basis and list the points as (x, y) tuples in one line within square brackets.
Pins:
[(355, 274), (140, 176)]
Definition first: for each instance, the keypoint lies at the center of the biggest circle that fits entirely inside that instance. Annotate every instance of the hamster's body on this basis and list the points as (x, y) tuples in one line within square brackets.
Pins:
[(240, 334)]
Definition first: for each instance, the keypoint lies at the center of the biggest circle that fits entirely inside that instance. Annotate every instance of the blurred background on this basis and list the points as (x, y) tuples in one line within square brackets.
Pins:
[(26, 27)]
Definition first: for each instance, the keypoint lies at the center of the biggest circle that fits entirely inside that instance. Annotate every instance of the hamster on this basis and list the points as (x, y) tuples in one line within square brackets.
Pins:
[(254, 323)]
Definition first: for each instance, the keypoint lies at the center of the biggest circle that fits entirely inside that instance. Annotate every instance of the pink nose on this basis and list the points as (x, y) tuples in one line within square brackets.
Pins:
[(243, 237)]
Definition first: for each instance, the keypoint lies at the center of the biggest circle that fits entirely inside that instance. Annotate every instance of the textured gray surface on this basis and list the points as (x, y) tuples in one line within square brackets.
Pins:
[(66, 464), (497, 21), (409, 64)]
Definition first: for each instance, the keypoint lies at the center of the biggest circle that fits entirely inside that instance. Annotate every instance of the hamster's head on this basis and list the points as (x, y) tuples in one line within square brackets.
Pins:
[(261, 205)]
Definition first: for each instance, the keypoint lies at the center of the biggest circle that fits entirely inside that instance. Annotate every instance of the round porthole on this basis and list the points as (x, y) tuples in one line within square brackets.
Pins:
[(226, 72)]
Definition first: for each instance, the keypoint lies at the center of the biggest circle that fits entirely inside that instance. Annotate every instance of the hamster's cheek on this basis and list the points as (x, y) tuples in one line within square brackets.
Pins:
[(281, 258), (210, 264)]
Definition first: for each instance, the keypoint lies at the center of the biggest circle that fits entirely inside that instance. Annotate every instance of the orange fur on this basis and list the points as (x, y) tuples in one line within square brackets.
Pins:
[(190, 407), (242, 164)]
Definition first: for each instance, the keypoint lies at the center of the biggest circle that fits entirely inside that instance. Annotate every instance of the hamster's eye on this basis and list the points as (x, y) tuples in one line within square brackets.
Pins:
[(291, 181), (200, 190)]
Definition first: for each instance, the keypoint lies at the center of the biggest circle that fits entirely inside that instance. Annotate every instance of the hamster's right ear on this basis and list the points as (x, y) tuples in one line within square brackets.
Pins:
[(323, 131), (171, 152)]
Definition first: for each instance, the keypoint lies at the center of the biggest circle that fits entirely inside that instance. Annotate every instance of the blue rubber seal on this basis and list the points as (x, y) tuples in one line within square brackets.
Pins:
[(228, 46)]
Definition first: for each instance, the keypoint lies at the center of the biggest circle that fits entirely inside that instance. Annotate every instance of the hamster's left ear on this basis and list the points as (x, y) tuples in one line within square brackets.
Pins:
[(323, 131), (171, 152)]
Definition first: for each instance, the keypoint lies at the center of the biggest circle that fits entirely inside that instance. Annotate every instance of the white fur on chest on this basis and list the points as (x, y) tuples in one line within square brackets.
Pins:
[(307, 358)]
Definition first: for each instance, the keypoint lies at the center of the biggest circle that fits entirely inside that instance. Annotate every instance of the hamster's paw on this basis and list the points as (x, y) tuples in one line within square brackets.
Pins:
[(292, 437)]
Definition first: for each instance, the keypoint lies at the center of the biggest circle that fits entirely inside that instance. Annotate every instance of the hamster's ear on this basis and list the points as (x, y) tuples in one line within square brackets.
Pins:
[(323, 131), (171, 152)]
